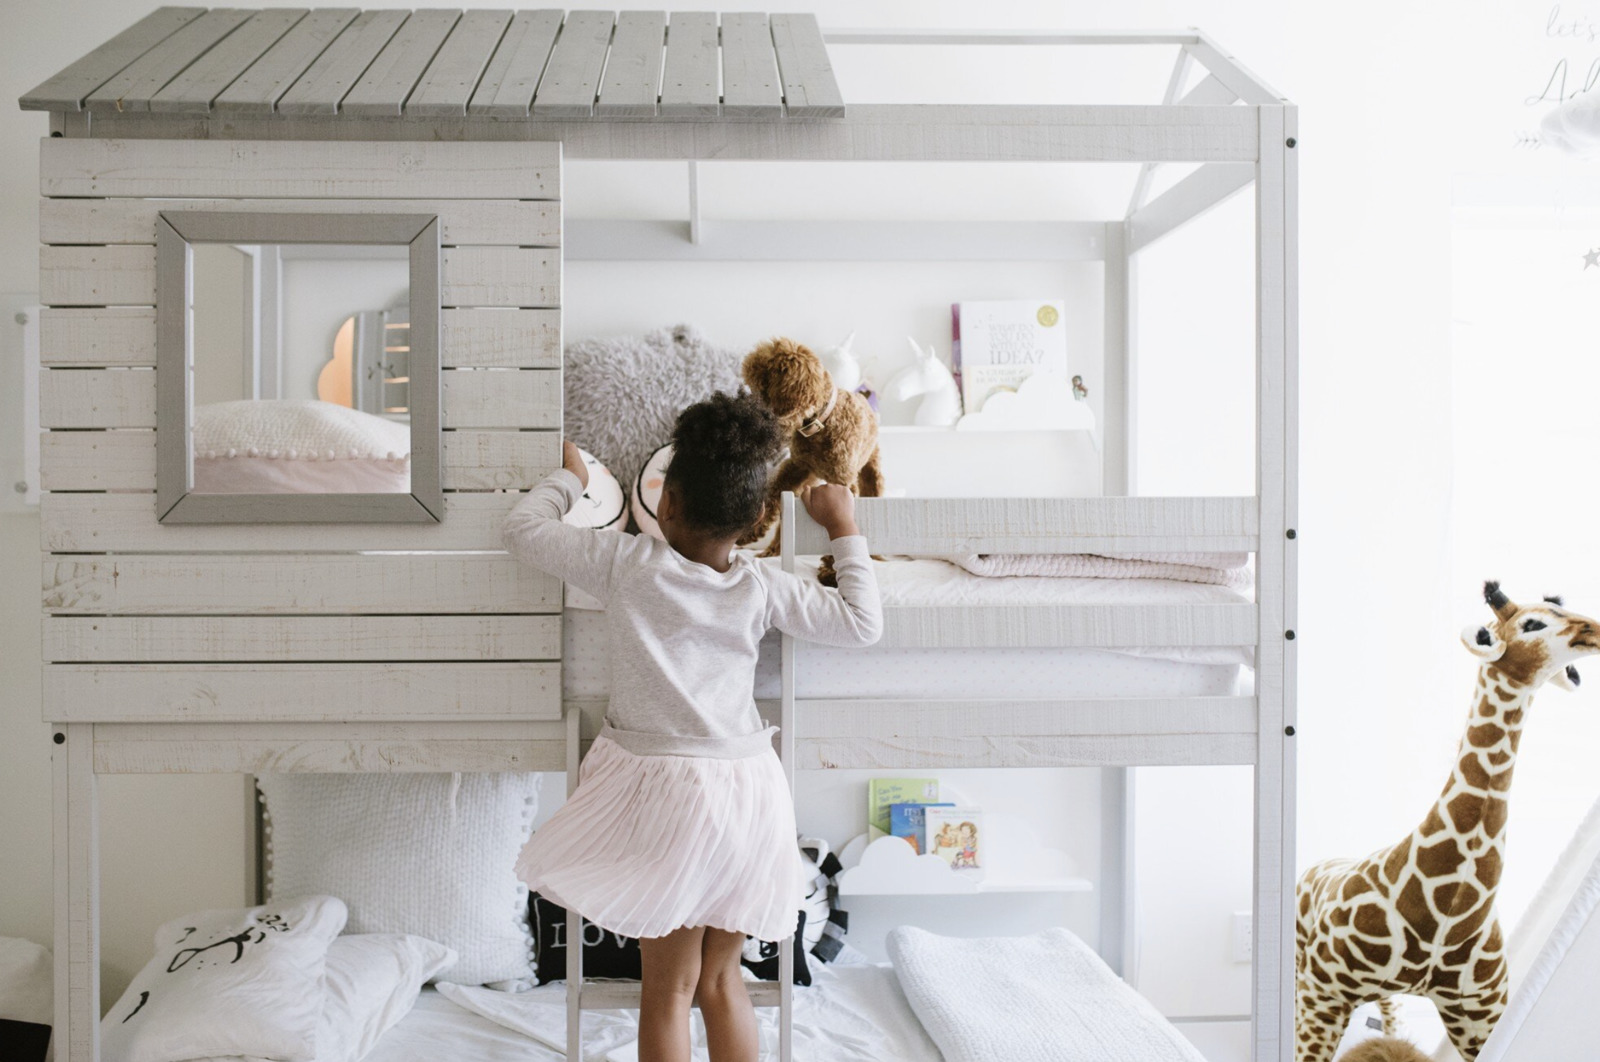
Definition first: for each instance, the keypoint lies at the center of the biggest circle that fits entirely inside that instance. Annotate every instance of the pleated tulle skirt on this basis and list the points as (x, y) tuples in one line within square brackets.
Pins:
[(652, 843)]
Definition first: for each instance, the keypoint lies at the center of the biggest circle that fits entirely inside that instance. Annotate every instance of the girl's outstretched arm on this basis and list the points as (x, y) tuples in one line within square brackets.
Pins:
[(850, 616)]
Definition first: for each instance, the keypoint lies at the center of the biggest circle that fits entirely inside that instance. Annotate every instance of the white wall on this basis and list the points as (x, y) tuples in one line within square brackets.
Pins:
[(1394, 98)]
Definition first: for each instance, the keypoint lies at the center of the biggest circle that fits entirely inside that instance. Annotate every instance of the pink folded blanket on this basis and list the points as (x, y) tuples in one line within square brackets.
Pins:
[(1219, 569)]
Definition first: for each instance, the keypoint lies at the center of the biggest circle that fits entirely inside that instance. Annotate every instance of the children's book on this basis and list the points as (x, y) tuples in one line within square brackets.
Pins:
[(883, 792), (906, 820), (997, 345), (955, 835)]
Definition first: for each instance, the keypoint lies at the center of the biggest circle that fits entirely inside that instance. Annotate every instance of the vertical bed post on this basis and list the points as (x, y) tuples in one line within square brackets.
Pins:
[(786, 722), (77, 887), (1275, 481), (1117, 405), (574, 721)]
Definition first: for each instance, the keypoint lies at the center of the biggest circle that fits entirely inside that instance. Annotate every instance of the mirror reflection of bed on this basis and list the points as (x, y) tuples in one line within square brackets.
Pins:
[(301, 377)]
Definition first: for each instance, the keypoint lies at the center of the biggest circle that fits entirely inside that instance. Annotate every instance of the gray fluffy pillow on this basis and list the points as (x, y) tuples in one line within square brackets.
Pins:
[(623, 395)]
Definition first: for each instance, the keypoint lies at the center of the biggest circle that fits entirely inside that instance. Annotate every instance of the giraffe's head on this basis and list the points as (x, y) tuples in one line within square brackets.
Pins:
[(1533, 644)]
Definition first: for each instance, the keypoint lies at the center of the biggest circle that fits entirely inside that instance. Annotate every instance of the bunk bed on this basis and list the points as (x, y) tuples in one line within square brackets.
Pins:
[(158, 635)]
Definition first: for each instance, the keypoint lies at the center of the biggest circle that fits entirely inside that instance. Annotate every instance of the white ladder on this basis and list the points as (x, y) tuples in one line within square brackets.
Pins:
[(625, 996)]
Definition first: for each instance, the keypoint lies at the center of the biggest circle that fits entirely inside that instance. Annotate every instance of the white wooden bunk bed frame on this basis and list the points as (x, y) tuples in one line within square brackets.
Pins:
[(141, 679)]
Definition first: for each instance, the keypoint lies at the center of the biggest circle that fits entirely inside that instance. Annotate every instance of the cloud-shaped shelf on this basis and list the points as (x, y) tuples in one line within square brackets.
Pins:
[(1044, 402), (891, 867)]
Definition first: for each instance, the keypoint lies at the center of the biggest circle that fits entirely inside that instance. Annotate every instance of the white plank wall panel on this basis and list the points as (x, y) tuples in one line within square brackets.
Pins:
[(387, 83), (633, 67), (690, 79), (68, 89), (501, 276), (446, 88), (260, 87), (809, 87), (507, 86), (97, 276), (141, 79), (572, 74), (99, 336), (1048, 626), (126, 523), (306, 584), (126, 460), (192, 91), (482, 338), (750, 86), (280, 748), (1024, 750), (335, 71), (492, 398), (461, 221), (212, 639), (284, 693), (299, 169), (97, 398), (941, 526)]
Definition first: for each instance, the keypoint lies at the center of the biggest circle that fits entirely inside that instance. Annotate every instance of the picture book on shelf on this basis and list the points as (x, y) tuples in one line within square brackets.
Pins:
[(955, 835), (995, 346), (907, 820), (882, 793)]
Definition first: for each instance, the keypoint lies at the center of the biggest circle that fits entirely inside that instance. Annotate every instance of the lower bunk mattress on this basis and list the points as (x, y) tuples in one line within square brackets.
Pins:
[(823, 672)]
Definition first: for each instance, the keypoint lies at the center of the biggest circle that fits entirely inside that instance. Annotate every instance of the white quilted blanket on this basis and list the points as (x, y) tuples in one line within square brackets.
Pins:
[(1040, 998), (1217, 569)]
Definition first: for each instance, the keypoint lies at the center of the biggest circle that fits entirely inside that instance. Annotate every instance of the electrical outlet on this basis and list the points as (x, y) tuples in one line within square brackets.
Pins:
[(1243, 938)]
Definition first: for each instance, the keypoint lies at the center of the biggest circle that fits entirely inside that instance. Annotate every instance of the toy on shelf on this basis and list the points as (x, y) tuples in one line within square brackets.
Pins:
[(1418, 918), (928, 378)]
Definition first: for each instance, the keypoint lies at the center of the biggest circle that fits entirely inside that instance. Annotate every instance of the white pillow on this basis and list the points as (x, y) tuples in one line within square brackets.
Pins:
[(428, 854), (604, 503), (27, 982), (298, 446), (239, 982)]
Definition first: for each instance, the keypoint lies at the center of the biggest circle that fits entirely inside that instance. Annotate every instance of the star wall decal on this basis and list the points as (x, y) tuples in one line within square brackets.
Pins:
[(1592, 258)]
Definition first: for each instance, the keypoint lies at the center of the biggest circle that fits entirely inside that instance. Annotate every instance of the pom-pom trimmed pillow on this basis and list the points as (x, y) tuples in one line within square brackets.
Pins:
[(261, 966), (298, 447), (604, 503), (426, 854)]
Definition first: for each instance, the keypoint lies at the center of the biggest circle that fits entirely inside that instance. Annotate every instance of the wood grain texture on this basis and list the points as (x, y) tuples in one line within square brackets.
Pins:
[(486, 398), (97, 276), (451, 78), (242, 639), (461, 221), (66, 89), (286, 693), (281, 748), (499, 460), (572, 74), (508, 84), (99, 336), (1060, 626), (501, 276), (132, 88), (97, 398), (633, 67), (1094, 750), (501, 338), (192, 91), (307, 584), (750, 85), (296, 169), (387, 82), (126, 523), (76, 821), (690, 78), (260, 87), (945, 526), (340, 65), (809, 87)]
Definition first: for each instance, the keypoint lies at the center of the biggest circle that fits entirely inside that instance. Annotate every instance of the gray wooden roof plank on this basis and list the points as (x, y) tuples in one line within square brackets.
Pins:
[(192, 91), (632, 81), (269, 77), (451, 78), (66, 89), (507, 86), (809, 87), (572, 76), (690, 80), (335, 72), (133, 88), (750, 86), (389, 81)]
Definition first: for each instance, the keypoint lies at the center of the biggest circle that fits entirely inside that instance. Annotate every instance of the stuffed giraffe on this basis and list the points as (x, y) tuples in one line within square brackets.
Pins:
[(1418, 918)]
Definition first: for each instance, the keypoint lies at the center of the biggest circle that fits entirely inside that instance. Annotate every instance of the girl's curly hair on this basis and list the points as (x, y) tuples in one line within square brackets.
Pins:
[(721, 451)]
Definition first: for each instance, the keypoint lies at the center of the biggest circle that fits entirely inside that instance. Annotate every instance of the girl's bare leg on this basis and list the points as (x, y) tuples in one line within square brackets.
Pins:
[(724, 1004), (671, 968)]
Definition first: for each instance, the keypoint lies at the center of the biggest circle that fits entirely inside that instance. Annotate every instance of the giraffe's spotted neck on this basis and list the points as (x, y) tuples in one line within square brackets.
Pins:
[(1472, 807)]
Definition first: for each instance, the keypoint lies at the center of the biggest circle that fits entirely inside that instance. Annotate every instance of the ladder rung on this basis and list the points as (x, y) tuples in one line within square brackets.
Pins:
[(624, 995)]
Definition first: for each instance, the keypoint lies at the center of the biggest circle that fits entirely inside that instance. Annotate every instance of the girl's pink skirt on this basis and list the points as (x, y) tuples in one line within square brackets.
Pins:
[(652, 843)]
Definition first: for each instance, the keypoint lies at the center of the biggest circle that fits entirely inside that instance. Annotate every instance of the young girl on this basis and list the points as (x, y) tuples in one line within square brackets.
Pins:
[(681, 832)]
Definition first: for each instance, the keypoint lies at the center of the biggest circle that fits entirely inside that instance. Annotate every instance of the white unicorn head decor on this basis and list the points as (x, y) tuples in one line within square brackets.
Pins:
[(843, 365), (929, 378)]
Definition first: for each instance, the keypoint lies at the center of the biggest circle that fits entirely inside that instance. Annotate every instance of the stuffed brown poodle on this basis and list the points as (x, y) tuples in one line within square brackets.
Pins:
[(833, 433)]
